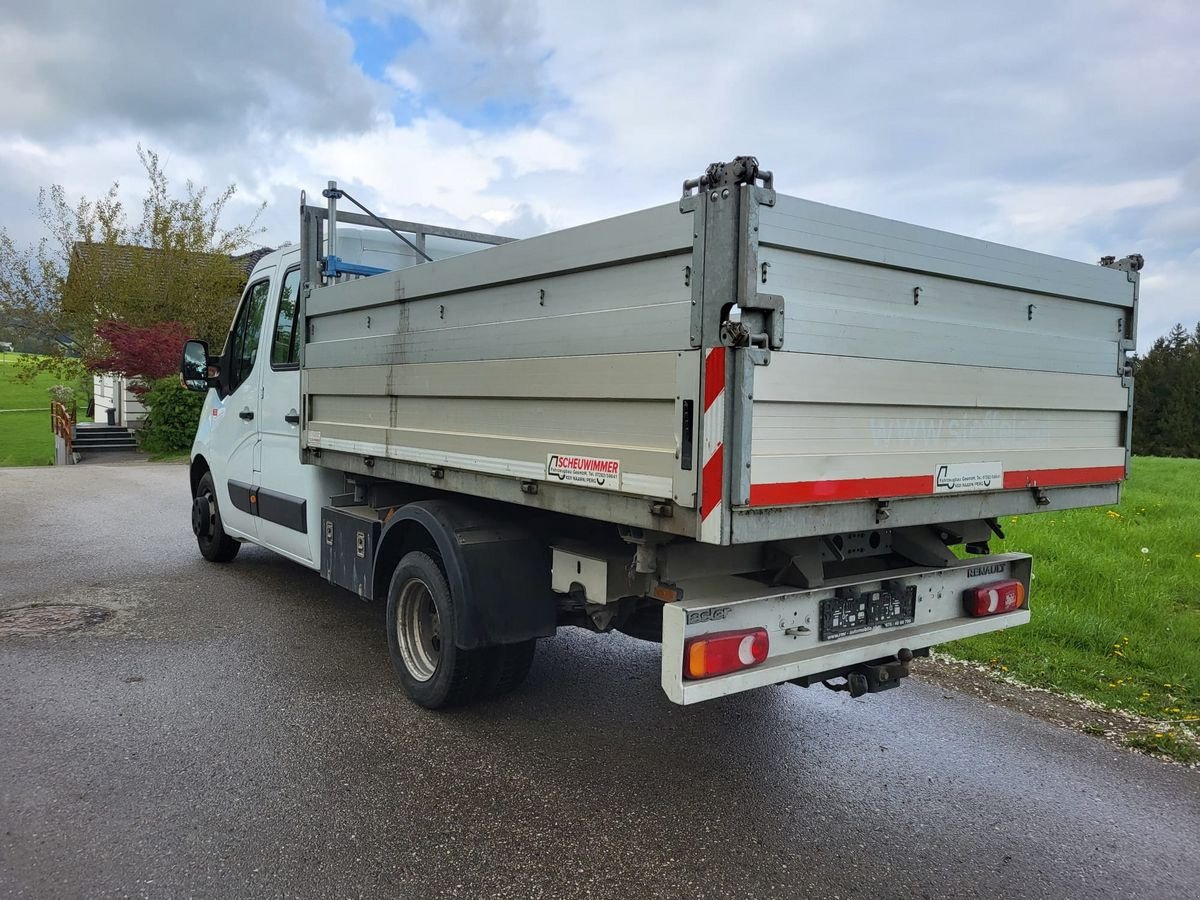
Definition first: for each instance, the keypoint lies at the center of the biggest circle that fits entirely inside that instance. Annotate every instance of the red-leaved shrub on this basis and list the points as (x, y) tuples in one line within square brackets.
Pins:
[(141, 352)]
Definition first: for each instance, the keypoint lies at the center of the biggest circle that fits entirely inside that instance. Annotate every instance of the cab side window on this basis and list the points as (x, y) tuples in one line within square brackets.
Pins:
[(283, 344), (244, 337)]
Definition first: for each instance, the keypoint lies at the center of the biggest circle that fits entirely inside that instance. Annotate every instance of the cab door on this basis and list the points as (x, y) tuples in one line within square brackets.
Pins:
[(234, 438), (284, 485)]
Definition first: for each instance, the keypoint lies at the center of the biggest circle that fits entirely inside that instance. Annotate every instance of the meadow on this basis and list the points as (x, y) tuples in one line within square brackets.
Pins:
[(25, 436), (1116, 605)]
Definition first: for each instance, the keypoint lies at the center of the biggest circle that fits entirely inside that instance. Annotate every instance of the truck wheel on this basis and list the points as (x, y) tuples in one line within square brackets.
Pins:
[(510, 665), (420, 621), (215, 544)]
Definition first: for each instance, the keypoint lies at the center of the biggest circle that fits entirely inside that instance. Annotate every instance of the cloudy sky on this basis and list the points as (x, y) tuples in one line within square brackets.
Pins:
[(1071, 128)]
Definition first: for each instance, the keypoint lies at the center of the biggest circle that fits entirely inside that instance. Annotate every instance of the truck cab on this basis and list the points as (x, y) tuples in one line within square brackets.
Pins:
[(248, 438)]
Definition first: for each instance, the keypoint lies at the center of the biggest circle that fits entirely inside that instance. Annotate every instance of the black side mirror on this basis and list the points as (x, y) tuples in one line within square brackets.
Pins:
[(196, 370)]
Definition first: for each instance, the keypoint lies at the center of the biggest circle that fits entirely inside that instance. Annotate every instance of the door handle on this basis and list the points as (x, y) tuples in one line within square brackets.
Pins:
[(246, 414), (292, 418)]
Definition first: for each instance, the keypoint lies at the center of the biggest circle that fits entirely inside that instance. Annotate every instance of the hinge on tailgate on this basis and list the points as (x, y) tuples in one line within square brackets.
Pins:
[(1130, 264), (769, 310), (726, 270), (739, 170)]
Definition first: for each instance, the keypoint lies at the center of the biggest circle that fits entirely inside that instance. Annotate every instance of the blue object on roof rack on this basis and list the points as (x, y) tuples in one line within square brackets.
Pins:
[(335, 267)]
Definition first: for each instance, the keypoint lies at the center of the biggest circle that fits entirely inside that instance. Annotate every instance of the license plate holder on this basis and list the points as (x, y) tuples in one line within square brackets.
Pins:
[(848, 613)]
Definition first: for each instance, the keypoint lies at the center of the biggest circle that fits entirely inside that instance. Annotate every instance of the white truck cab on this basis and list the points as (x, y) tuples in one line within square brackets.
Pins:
[(249, 431)]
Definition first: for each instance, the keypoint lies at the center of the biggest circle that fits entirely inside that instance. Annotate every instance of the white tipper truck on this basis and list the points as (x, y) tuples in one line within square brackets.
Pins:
[(748, 426)]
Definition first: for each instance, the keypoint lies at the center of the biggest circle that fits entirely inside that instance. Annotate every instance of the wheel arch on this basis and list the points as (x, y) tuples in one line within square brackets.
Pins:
[(499, 574), (198, 467)]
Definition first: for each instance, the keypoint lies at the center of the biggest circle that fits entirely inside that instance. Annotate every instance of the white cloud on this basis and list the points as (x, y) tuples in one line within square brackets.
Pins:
[(1046, 208), (1067, 128), (404, 79)]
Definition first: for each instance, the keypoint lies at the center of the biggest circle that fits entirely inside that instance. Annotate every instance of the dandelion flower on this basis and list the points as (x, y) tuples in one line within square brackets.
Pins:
[(1159, 734), (1145, 549), (1113, 514)]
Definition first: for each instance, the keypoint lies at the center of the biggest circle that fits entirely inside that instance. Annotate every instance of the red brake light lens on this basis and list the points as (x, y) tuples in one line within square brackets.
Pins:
[(724, 652), (990, 599)]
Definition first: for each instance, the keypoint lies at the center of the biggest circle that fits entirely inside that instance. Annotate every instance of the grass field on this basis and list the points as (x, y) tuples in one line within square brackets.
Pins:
[(1116, 604), (25, 437)]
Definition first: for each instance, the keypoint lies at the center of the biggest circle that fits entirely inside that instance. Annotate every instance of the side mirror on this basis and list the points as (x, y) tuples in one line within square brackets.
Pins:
[(195, 372)]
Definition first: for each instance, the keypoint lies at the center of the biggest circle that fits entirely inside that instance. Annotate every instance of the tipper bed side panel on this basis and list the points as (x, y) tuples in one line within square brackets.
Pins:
[(573, 344), (908, 350)]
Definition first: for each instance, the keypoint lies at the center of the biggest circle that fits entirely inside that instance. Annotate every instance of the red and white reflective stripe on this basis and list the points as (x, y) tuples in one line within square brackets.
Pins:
[(712, 447), (914, 485)]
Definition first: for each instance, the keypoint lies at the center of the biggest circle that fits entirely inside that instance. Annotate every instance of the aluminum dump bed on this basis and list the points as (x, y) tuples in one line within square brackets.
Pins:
[(737, 366)]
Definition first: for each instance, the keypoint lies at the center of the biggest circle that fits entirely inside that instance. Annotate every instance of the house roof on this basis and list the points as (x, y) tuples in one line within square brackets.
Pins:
[(119, 259), (199, 288), (248, 261), (154, 269)]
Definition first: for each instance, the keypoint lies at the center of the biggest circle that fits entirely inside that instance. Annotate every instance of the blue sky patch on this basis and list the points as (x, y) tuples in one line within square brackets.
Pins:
[(377, 44)]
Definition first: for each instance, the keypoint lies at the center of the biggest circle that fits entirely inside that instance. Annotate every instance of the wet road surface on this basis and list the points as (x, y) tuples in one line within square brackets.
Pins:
[(234, 731)]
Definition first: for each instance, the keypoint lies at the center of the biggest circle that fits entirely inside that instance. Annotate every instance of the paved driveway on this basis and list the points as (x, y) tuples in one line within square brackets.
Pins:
[(235, 731)]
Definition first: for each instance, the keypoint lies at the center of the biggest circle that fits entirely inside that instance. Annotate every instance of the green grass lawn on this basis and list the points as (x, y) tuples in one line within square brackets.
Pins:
[(25, 437), (1116, 604)]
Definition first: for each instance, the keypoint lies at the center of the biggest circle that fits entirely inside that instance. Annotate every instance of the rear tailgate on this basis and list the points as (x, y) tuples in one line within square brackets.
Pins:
[(918, 363)]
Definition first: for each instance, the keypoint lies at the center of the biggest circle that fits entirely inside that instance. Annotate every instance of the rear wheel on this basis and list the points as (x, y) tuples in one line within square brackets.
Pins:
[(215, 544), (420, 621)]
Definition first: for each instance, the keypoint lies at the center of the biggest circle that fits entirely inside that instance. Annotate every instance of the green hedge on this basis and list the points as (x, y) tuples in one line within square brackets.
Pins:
[(172, 414)]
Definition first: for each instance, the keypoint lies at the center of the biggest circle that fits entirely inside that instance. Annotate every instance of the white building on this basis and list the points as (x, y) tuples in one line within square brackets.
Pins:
[(112, 392)]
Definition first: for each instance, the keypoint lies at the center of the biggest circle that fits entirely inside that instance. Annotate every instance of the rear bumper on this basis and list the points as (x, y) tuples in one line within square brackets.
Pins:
[(792, 620)]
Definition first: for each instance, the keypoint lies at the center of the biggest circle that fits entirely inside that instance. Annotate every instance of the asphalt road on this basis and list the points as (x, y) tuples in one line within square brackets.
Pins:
[(234, 731)]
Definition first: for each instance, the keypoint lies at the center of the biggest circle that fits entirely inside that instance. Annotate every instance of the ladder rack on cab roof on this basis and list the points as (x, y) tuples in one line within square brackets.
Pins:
[(314, 238)]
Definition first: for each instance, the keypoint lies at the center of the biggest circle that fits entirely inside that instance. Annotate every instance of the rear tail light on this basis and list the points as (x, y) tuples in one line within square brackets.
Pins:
[(990, 599), (724, 652)]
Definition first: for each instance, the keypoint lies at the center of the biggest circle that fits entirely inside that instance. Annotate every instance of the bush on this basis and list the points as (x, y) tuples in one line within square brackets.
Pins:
[(62, 393), (172, 414)]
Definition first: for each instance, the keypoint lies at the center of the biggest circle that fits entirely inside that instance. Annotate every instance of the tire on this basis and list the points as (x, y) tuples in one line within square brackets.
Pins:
[(509, 666), (420, 622), (215, 545)]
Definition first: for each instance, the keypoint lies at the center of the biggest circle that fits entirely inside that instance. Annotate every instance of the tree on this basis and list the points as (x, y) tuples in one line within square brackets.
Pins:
[(141, 352), (95, 265), (1166, 409)]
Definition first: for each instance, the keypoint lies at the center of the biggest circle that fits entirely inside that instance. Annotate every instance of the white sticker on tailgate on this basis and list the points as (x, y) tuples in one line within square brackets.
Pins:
[(585, 470), (987, 476)]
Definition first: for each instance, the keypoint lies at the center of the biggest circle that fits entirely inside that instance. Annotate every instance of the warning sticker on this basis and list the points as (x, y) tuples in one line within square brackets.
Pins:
[(968, 477), (584, 470)]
